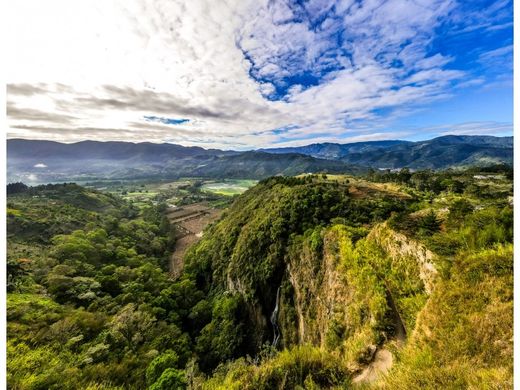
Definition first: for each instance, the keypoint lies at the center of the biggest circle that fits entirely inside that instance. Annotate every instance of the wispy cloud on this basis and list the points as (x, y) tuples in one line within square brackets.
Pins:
[(476, 128), (237, 73), (467, 128)]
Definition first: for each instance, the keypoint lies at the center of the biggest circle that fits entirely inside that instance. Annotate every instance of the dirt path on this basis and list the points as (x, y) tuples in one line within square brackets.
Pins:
[(383, 358)]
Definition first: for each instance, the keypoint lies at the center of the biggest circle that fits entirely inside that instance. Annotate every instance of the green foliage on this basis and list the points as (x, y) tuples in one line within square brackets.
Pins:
[(90, 304), (171, 379), (365, 313), (16, 188), (458, 211), (222, 339), (429, 224), (41, 212), (17, 270), (169, 359), (290, 369), (82, 303), (132, 325)]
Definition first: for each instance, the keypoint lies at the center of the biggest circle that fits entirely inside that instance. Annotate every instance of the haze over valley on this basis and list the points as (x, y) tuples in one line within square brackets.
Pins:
[(46, 161)]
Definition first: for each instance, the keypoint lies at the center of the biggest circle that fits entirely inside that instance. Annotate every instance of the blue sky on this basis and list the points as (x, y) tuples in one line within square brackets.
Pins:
[(474, 37), (166, 121), (251, 74)]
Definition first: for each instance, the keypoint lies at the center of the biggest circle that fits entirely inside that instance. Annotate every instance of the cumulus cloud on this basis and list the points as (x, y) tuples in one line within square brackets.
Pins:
[(230, 75)]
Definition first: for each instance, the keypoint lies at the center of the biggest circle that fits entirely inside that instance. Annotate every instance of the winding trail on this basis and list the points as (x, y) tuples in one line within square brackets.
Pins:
[(381, 363), (383, 358)]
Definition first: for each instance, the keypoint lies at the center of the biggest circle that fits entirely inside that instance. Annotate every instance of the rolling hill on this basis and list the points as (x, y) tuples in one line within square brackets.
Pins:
[(316, 281), (342, 274), (438, 153)]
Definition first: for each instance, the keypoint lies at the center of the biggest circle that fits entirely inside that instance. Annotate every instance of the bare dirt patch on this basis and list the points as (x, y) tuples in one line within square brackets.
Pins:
[(382, 362), (383, 358), (364, 189), (190, 222)]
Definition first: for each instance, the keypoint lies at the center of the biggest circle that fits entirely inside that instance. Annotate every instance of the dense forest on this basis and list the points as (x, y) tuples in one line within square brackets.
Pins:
[(304, 282)]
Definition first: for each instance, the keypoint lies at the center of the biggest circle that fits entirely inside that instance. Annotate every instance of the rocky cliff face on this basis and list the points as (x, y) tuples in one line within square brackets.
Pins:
[(344, 294), (353, 296), (397, 246), (321, 292), (341, 288)]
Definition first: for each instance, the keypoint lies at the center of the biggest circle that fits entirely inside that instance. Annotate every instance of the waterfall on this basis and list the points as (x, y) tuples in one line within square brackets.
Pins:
[(274, 320)]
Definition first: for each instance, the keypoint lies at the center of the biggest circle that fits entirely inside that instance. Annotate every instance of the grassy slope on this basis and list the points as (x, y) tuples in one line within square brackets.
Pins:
[(464, 334), (458, 337)]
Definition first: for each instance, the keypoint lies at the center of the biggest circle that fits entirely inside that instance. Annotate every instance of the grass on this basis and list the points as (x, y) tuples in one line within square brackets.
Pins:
[(228, 187), (296, 368), (463, 337), (15, 212)]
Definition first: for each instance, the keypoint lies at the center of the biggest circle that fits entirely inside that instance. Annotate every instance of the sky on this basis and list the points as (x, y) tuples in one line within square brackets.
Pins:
[(242, 74)]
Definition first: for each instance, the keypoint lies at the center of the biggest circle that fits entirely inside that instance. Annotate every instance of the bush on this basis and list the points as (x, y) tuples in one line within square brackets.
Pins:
[(171, 379), (155, 369)]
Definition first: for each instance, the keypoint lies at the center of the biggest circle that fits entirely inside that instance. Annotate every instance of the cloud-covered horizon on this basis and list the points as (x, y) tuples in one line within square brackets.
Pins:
[(249, 74)]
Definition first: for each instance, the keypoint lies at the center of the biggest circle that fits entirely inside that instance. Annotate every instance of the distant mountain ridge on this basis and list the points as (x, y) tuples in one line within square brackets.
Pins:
[(335, 150), (51, 161), (437, 153), (106, 150)]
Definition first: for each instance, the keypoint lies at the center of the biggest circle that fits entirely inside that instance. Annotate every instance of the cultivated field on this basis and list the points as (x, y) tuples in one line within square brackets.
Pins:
[(190, 222), (229, 187)]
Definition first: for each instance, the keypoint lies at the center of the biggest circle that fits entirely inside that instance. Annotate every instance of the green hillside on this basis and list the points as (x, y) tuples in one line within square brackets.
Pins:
[(356, 283), (396, 280), (38, 213)]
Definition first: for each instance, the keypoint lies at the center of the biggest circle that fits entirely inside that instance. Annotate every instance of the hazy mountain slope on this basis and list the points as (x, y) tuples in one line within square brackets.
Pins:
[(261, 165), (434, 156), (31, 161), (336, 151), (145, 151), (438, 153)]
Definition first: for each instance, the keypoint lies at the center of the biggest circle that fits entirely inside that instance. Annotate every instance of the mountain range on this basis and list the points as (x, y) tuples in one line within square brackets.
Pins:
[(437, 153), (35, 160)]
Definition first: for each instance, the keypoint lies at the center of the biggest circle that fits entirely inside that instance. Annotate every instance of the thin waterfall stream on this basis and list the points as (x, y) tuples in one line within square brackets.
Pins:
[(274, 320)]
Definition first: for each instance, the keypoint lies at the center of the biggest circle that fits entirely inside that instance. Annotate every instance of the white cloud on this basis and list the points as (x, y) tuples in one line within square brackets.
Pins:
[(466, 128), (476, 128), (492, 54), (92, 69)]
